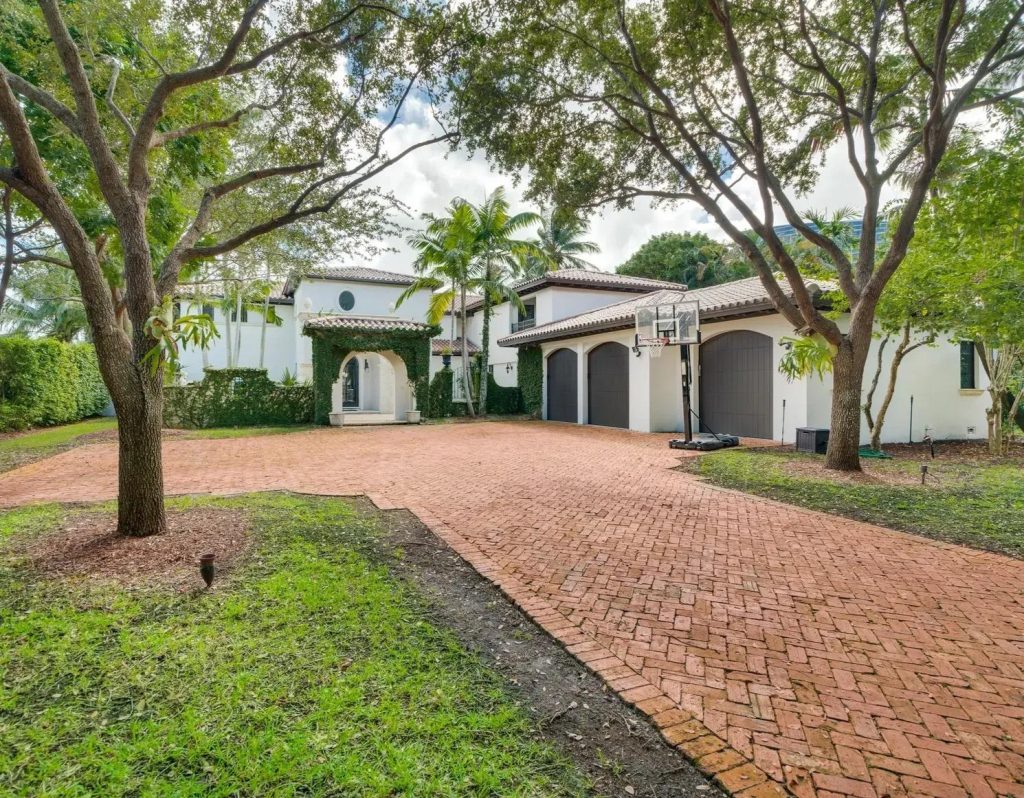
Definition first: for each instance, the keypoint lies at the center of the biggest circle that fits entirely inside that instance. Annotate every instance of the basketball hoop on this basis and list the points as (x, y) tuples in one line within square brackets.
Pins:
[(654, 346), (667, 324)]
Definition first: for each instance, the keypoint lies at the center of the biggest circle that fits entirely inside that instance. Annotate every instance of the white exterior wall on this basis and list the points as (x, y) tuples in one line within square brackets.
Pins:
[(279, 354), (930, 374), (315, 297), (640, 410), (551, 303)]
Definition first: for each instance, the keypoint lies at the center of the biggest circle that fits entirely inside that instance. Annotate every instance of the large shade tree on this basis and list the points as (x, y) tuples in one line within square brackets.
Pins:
[(965, 269), (733, 107), (279, 108), (693, 259)]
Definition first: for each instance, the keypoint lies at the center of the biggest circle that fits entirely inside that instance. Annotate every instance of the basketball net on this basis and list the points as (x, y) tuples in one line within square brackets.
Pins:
[(654, 346)]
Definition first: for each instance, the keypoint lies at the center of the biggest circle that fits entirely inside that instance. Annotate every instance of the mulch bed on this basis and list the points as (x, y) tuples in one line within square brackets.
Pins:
[(87, 546), (873, 474)]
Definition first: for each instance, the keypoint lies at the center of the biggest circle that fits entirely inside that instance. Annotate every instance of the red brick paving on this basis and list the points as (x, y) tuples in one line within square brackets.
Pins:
[(774, 645)]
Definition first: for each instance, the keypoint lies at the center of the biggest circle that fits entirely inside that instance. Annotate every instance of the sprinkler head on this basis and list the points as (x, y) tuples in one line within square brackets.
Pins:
[(207, 568)]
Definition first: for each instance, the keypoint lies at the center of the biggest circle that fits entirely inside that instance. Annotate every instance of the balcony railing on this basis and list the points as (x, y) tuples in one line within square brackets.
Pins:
[(523, 324)]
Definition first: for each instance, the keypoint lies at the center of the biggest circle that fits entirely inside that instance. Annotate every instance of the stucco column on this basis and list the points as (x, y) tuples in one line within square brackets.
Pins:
[(581, 384)]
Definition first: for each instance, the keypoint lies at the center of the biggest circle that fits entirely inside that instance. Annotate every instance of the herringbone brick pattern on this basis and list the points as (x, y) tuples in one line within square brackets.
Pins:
[(776, 646)]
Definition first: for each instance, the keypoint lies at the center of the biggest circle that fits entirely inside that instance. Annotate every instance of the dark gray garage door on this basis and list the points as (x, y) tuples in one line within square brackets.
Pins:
[(608, 385), (736, 384), (562, 386)]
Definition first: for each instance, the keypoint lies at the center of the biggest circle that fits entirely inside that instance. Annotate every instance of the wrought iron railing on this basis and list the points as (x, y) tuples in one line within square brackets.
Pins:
[(523, 324)]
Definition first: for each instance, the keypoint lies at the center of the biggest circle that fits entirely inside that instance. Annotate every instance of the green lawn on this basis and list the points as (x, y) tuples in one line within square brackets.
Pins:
[(980, 504), (310, 671), (20, 449)]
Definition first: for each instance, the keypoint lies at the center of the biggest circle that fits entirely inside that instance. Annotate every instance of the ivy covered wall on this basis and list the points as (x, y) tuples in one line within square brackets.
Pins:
[(236, 398), (531, 379), (501, 400), (332, 346)]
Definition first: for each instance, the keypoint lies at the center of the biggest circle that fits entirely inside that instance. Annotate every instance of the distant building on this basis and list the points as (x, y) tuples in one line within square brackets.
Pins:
[(788, 234)]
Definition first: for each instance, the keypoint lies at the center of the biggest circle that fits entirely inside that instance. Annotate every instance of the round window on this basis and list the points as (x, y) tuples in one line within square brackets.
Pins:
[(346, 300)]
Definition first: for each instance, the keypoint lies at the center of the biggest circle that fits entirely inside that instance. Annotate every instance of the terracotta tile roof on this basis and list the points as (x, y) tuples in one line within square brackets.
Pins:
[(438, 345), (352, 274), (370, 323), (472, 301), (361, 274), (716, 301), (587, 278)]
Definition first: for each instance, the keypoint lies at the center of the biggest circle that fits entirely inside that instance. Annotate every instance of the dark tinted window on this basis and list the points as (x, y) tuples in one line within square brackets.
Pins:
[(346, 301)]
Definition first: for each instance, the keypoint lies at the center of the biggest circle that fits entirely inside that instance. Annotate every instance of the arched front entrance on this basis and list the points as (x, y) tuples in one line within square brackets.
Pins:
[(608, 385), (371, 388), (562, 386), (391, 356), (736, 384)]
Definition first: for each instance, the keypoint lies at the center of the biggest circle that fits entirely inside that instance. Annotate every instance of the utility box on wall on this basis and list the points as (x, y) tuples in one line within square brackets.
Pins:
[(813, 440)]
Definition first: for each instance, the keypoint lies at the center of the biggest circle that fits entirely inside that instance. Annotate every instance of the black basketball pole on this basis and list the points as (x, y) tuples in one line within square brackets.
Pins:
[(684, 359)]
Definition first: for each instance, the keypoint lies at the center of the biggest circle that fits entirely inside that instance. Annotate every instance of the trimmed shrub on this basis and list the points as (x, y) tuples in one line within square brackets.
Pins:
[(237, 398), (44, 382)]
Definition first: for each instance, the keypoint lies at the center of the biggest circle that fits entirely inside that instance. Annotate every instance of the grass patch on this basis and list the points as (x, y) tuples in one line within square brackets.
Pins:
[(245, 432), (21, 449), (978, 504), (309, 671)]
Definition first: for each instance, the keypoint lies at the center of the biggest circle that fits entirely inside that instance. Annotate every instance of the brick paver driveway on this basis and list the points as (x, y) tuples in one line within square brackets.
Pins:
[(832, 656)]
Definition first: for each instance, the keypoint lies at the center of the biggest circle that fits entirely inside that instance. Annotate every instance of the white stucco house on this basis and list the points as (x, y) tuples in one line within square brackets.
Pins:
[(584, 324)]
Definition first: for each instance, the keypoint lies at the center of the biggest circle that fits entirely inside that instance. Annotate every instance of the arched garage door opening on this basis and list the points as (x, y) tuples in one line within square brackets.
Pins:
[(562, 386), (608, 385), (736, 384)]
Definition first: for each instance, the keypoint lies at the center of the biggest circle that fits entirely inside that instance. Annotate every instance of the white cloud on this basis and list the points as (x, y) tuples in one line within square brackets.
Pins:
[(427, 180)]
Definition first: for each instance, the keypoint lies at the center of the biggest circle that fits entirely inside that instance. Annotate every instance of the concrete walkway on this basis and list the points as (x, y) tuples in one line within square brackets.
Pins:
[(780, 648)]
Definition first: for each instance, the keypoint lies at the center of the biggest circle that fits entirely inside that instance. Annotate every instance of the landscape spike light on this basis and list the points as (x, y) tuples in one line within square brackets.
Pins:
[(207, 569)]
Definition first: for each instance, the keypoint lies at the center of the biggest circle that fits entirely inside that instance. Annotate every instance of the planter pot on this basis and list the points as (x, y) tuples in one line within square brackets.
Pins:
[(446, 360), (337, 419), (412, 416)]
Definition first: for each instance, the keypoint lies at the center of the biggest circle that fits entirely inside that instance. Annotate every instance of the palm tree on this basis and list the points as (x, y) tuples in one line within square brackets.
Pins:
[(497, 255), (445, 267), (46, 302), (559, 244)]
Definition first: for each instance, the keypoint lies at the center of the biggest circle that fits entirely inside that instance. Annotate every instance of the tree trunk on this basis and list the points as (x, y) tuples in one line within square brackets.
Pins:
[(467, 381), (995, 422), (844, 436), (869, 398), (5, 277), (485, 349), (140, 503), (903, 349)]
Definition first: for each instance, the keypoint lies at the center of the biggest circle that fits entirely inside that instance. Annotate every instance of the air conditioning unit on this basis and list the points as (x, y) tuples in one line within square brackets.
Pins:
[(813, 440)]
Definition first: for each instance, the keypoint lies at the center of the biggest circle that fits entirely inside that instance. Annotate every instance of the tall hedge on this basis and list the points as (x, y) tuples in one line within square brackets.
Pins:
[(531, 379), (501, 400), (44, 381), (237, 398)]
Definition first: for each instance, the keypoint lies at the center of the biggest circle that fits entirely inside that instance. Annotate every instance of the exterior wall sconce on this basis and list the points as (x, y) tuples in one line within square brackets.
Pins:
[(366, 364)]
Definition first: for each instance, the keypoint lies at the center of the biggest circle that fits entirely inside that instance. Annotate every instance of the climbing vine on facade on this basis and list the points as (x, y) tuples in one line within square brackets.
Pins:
[(332, 346)]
